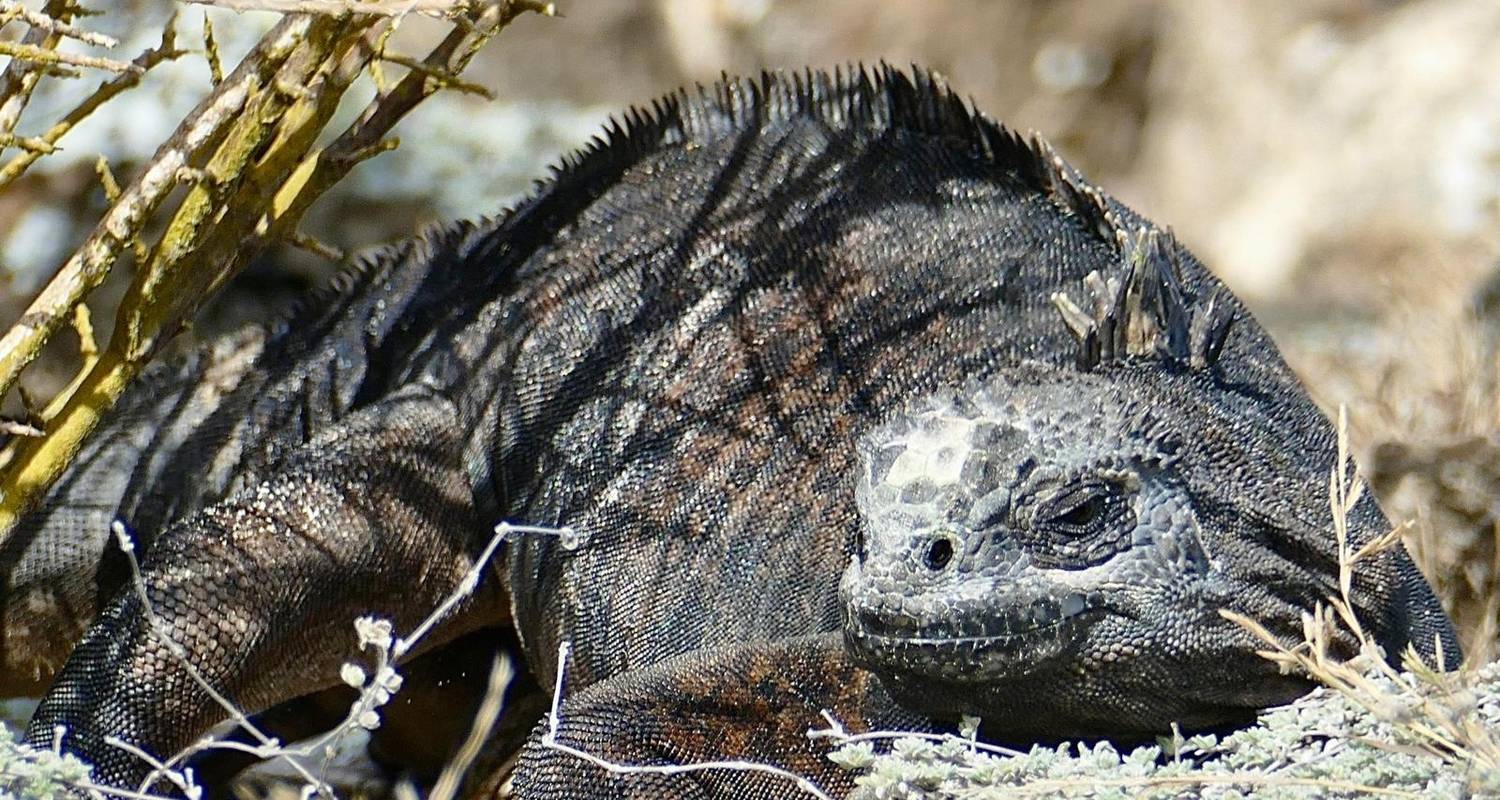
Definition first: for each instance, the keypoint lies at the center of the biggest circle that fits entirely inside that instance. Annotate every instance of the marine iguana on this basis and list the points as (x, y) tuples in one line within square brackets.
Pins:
[(804, 360)]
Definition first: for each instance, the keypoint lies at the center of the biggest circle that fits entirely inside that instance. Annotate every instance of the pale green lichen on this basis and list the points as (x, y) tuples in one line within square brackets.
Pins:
[(1324, 745), (31, 774)]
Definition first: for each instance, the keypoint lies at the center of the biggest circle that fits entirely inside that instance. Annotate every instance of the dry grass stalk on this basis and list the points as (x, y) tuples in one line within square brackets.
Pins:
[(1435, 706)]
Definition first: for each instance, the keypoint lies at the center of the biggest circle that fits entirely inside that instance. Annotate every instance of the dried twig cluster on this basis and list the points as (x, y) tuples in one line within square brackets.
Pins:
[(248, 158), (1435, 705)]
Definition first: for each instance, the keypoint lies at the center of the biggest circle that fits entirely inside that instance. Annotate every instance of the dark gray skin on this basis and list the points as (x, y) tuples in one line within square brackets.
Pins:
[(1102, 515), (1052, 520), (697, 346)]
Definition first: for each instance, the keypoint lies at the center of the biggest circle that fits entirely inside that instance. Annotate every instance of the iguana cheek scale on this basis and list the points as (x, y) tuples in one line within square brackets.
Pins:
[(858, 401)]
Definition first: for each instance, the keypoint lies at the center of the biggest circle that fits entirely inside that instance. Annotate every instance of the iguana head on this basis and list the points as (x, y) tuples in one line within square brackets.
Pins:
[(1050, 548)]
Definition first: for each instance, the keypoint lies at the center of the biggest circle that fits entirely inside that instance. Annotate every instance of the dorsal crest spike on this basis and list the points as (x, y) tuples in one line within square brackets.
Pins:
[(1071, 192), (1210, 329), (1144, 312)]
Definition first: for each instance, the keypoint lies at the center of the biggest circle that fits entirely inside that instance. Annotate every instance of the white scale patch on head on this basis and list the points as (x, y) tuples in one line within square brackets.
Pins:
[(935, 453)]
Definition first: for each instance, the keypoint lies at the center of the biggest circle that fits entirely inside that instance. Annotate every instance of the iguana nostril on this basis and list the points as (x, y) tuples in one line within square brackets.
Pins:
[(939, 553)]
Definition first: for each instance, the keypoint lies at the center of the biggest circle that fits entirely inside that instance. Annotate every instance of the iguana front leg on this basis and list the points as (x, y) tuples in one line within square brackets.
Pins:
[(748, 703), (56, 563), (374, 516)]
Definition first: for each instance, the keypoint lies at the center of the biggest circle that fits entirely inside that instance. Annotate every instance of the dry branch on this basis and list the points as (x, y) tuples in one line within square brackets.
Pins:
[(165, 51), (32, 464), (20, 76), (46, 55), (248, 156), (445, 9), (11, 10)]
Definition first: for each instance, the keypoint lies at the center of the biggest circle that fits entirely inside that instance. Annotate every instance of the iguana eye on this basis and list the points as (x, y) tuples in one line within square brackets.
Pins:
[(1079, 524), (1081, 509), (1082, 515)]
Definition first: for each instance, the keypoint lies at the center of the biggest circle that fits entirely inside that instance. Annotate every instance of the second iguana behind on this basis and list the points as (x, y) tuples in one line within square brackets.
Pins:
[(859, 402)]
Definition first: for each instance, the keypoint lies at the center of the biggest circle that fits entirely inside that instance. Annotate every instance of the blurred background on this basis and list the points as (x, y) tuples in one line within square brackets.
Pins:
[(1337, 162)]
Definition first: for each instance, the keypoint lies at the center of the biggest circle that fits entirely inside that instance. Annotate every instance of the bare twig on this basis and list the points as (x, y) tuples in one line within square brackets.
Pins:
[(165, 51), (467, 586), (30, 143), (445, 79), (211, 51), (54, 57), (317, 247), (443, 9), (20, 77), (10, 9), (17, 428)]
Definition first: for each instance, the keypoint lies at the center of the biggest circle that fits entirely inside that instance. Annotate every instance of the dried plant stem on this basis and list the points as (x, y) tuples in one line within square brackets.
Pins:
[(54, 57), (366, 136), (502, 672), (165, 51), (28, 143), (12, 10), (445, 9), (29, 469), (1427, 706), (20, 76)]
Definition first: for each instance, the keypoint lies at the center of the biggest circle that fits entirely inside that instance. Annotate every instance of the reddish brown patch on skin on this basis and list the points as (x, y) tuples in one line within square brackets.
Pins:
[(755, 706)]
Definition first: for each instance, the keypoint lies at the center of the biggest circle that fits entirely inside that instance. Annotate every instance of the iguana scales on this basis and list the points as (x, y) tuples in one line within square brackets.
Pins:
[(862, 403)]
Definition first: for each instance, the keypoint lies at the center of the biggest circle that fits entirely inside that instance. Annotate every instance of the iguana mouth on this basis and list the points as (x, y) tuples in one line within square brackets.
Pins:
[(1040, 615), (971, 660), (882, 633)]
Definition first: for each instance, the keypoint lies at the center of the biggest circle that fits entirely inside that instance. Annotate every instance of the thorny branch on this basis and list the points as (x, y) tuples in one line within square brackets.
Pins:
[(248, 157), (20, 76), (11, 10)]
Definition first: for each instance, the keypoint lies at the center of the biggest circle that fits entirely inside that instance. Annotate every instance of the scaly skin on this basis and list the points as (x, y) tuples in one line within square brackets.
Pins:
[(676, 349)]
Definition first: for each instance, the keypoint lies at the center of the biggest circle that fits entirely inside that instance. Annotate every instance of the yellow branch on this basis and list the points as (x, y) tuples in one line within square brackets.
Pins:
[(32, 464), (262, 174)]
